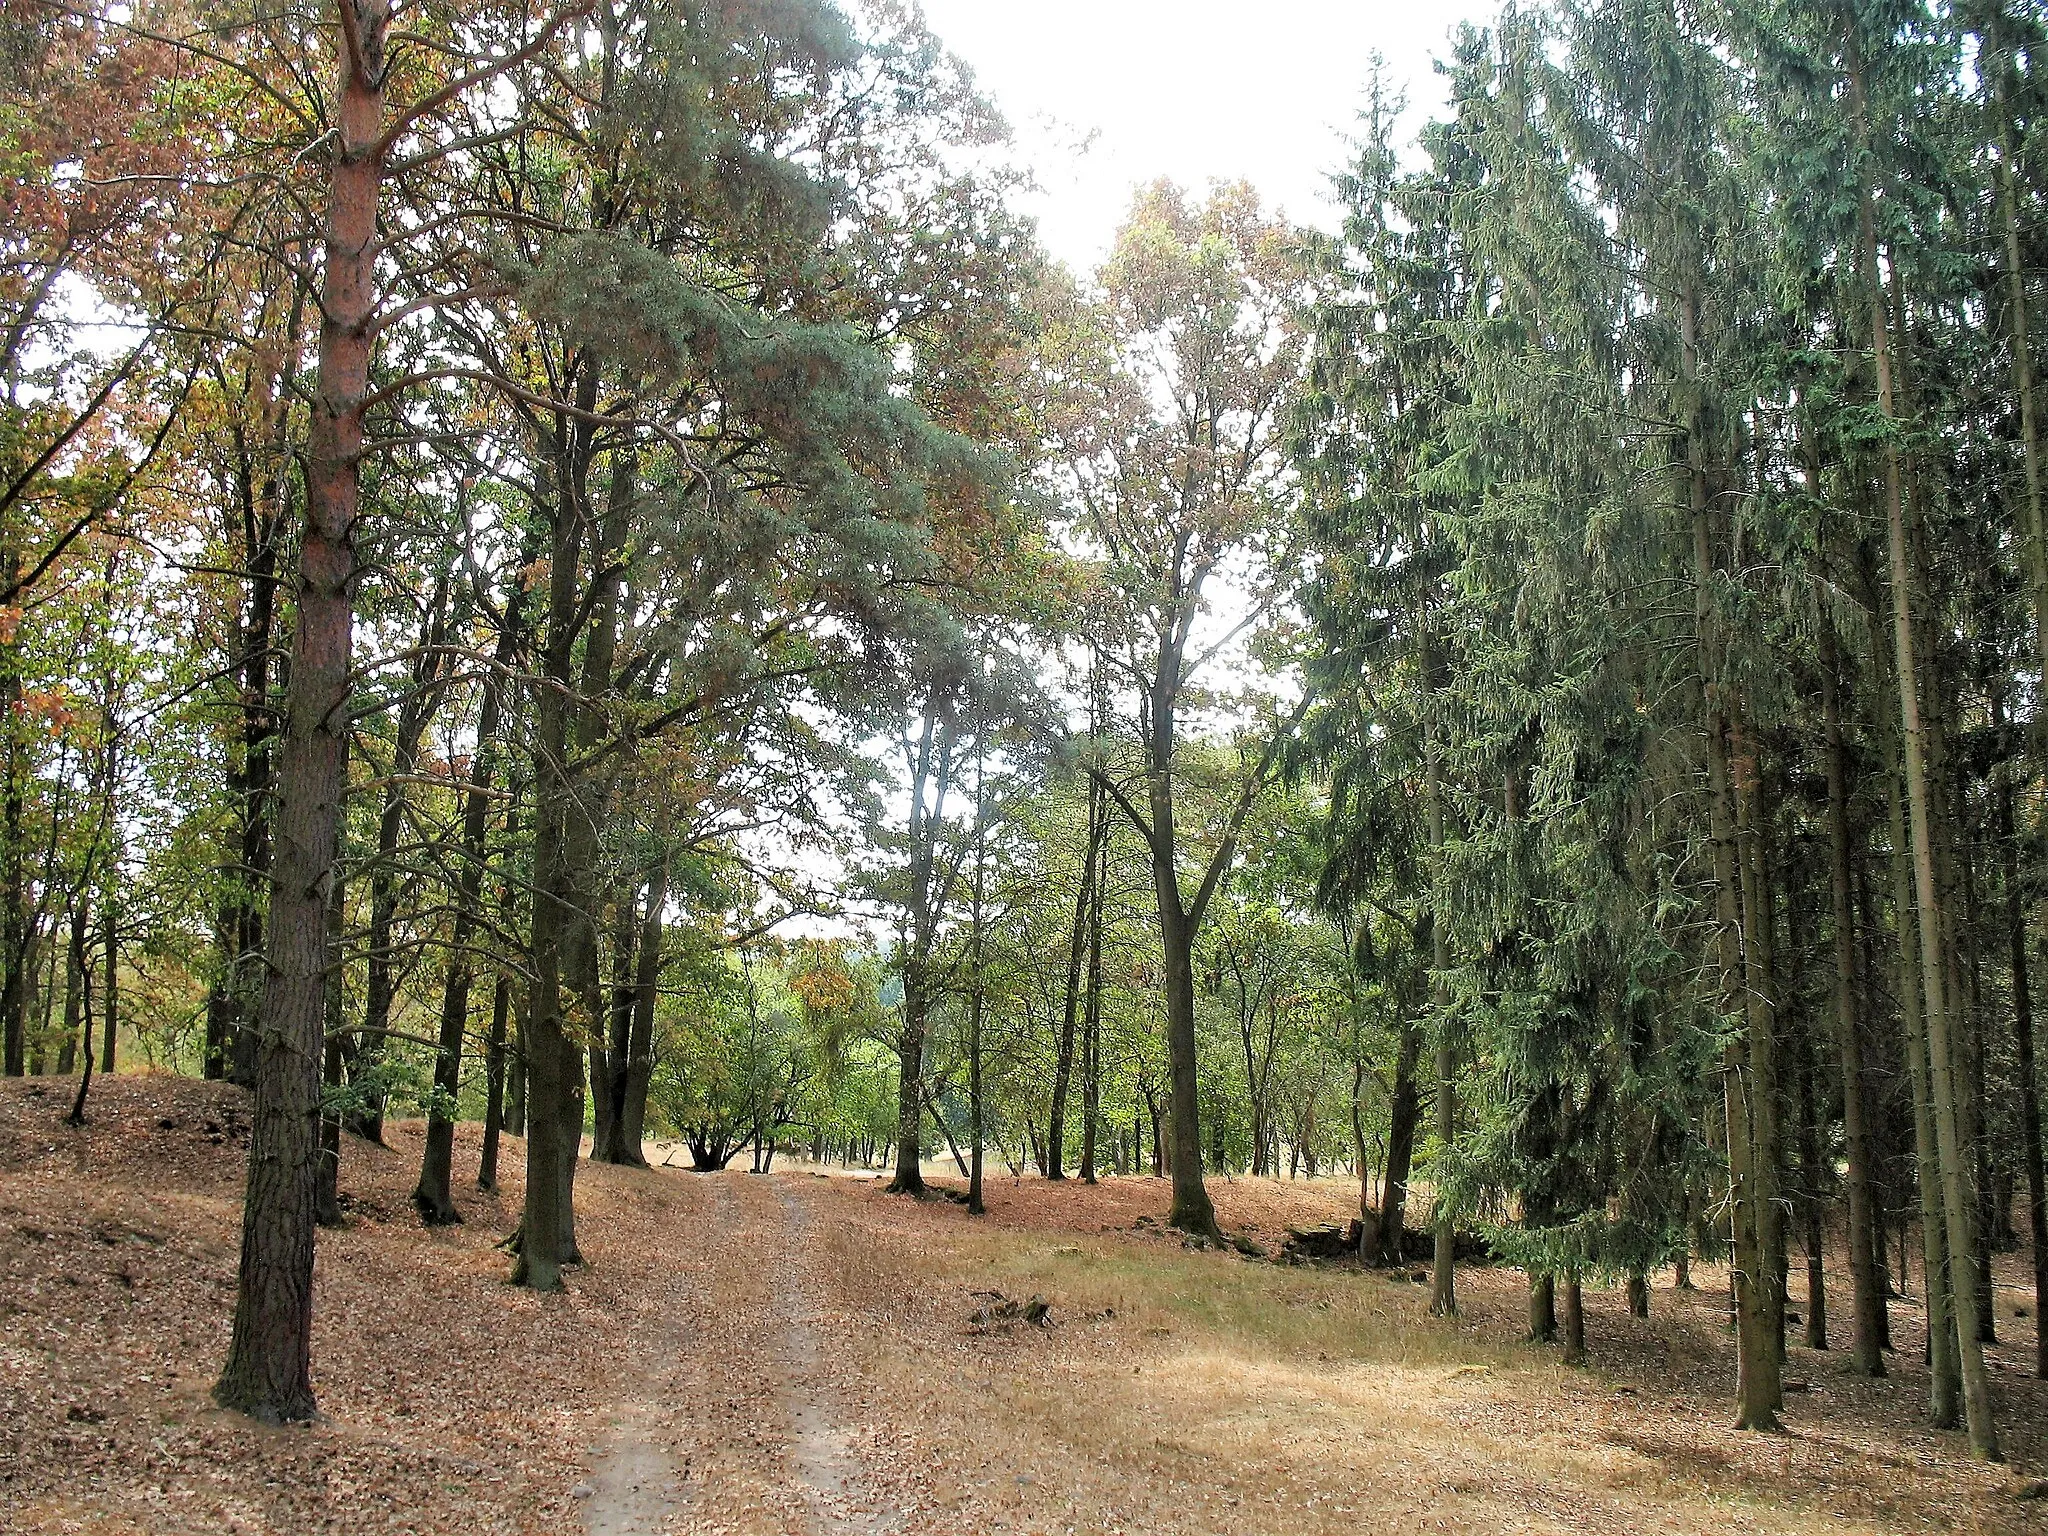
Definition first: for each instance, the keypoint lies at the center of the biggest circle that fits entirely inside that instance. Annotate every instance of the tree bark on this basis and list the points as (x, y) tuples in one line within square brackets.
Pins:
[(611, 1051), (1813, 1201), (1070, 1012), (268, 1369), (631, 1130), (494, 1086), (1404, 1111), (1758, 1367), (1542, 1308), (546, 1048), (931, 775), (77, 965), (1755, 829), (1944, 1380), (327, 1198), (2018, 331), (380, 983), (434, 1195), (13, 865), (1957, 1198), (1865, 1237), (1091, 1024), (977, 996), (2024, 1071)]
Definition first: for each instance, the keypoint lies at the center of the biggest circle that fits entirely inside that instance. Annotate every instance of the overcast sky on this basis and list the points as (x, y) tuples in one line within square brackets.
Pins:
[(1192, 89)]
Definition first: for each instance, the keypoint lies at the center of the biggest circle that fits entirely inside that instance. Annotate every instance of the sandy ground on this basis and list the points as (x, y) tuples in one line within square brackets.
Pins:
[(796, 1353)]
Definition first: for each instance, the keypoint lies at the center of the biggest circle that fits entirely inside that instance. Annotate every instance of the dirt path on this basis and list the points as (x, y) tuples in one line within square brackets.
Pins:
[(636, 1486), (739, 1424), (823, 1453)]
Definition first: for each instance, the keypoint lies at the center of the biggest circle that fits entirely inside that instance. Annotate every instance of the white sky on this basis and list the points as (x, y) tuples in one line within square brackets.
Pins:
[(1196, 90)]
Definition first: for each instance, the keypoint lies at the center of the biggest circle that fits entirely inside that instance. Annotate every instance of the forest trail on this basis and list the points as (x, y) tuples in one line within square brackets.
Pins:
[(747, 1373)]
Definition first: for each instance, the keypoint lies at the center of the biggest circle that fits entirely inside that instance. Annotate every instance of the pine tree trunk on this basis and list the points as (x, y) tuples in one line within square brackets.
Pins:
[(977, 996), (908, 1178), (327, 1201), (1865, 1229), (1404, 1112), (434, 1195), (545, 1048), (2019, 334), (1758, 1370), (1756, 831), (1957, 1199), (1813, 1203), (1443, 1293), (1944, 1379), (1542, 1308), (2027, 1080), (268, 1369), (1574, 1322)]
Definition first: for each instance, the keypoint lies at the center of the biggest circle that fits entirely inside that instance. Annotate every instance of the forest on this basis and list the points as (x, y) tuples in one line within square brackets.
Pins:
[(585, 608)]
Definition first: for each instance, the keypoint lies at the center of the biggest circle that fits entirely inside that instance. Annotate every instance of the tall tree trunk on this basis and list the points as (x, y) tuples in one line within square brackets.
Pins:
[(77, 967), (1191, 1211), (2023, 1070), (327, 1196), (1404, 1111), (611, 1048), (1865, 1234), (380, 983), (977, 995), (2019, 335), (1756, 832), (1957, 1198), (13, 857), (1758, 1364), (1070, 1010), (494, 1085), (1091, 1018), (268, 1369), (930, 776), (1944, 1379), (231, 1003), (1813, 1199), (547, 1052), (1542, 1307), (908, 1178), (434, 1195), (1574, 1321), (631, 1132)]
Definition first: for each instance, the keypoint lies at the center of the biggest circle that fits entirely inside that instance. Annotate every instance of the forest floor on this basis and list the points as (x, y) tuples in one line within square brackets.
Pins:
[(797, 1353)]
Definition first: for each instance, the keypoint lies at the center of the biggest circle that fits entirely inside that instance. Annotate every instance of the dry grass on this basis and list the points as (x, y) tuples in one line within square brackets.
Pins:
[(1227, 1395)]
